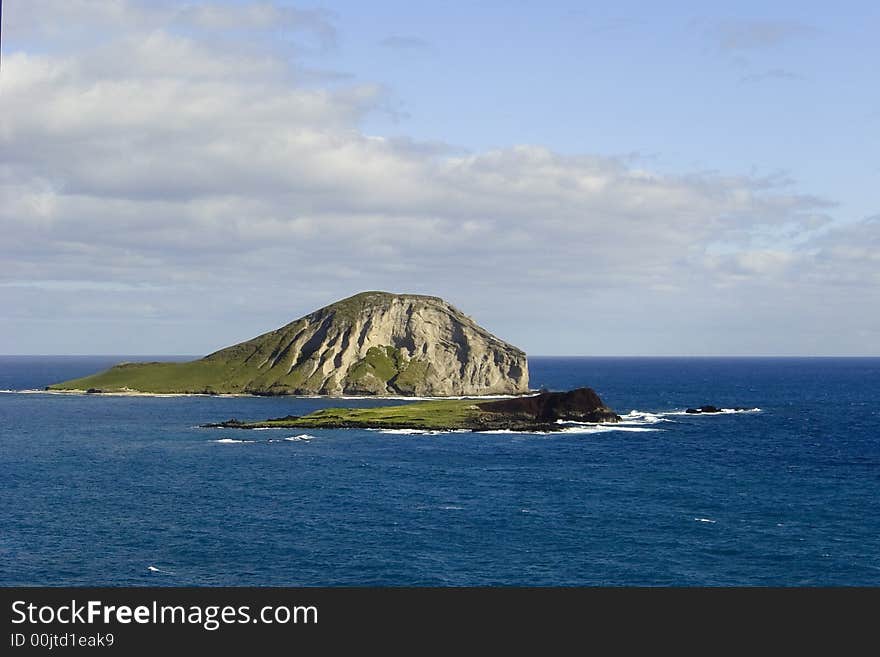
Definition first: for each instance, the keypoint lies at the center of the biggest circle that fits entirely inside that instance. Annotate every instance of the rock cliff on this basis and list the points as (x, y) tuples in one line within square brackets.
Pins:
[(373, 343)]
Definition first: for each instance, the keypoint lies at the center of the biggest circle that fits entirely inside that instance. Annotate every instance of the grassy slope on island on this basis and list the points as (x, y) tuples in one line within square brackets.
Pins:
[(542, 412), (216, 375), (195, 376), (439, 414)]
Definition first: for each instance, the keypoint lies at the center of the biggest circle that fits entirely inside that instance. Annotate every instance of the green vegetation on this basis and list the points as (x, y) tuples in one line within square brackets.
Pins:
[(380, 362), (439, 414), (219, 373), (541, 412), (197, 376), (384, 367), (350, 308), (411, 375)]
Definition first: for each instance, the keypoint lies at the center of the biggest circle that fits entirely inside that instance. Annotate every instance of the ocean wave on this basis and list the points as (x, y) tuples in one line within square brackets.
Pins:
[(153, 569), (300, 437), (232, 441), (420, 432), (644, 417), (574, 428), (402, 432), (723, 411), (120, 393), (414, 398), (634, 421), (237, 395), (234, 395), (635, 417), (40, 391), (605, 428)]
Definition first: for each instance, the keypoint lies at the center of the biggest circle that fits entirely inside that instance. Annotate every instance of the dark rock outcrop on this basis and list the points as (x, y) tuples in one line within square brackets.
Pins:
[(580, 405), (711, 409)]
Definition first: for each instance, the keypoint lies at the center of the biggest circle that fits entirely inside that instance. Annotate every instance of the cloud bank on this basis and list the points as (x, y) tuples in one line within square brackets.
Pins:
[(180, 179)]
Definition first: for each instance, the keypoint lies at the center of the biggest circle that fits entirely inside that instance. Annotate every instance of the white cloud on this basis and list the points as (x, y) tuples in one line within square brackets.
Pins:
[(172, 173), (744, 35)]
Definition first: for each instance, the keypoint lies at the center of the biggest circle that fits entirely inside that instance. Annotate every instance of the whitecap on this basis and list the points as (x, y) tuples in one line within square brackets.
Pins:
[(232, 441), (574, 428), (709, 520), (533, 393), (40, 391), (403, 432), (301, 437), (722, 411), (420, 432), (126, 393), (633, 418), (605, 428), (153, 569), (643, 417), (511, 431)]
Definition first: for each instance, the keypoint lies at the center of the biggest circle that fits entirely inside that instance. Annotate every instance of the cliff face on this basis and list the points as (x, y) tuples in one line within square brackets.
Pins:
[(580, 405), (373, 343)]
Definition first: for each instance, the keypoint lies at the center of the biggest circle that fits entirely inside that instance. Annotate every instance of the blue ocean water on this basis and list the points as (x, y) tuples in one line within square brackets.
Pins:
[(97, 490)]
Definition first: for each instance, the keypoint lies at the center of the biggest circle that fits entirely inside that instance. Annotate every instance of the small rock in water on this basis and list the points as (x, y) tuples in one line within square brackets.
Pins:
[(704, 409), (712, 409)]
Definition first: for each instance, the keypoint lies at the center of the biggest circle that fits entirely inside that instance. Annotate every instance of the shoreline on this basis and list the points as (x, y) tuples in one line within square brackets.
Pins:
[(240, 395), (305, 423)]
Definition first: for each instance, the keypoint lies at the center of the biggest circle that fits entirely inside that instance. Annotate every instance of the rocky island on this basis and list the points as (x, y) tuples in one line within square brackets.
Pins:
[(373, 343), (708, 409), (546, 411)]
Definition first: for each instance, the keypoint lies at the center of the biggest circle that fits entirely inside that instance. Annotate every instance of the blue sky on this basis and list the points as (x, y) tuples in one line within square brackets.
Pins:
[(581, 178), (772, 88)]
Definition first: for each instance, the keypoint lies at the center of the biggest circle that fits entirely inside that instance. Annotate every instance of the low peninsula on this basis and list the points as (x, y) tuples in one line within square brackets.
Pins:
[(545, 411)]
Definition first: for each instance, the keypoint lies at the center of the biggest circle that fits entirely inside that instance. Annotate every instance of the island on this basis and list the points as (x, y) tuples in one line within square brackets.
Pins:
[(545, 411), (373, 343)]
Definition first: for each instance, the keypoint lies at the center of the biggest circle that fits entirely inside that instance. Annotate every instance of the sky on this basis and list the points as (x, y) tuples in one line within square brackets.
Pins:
[(603, 178)]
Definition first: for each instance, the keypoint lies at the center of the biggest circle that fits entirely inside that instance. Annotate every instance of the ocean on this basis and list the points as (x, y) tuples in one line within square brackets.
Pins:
[(100, 490)]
